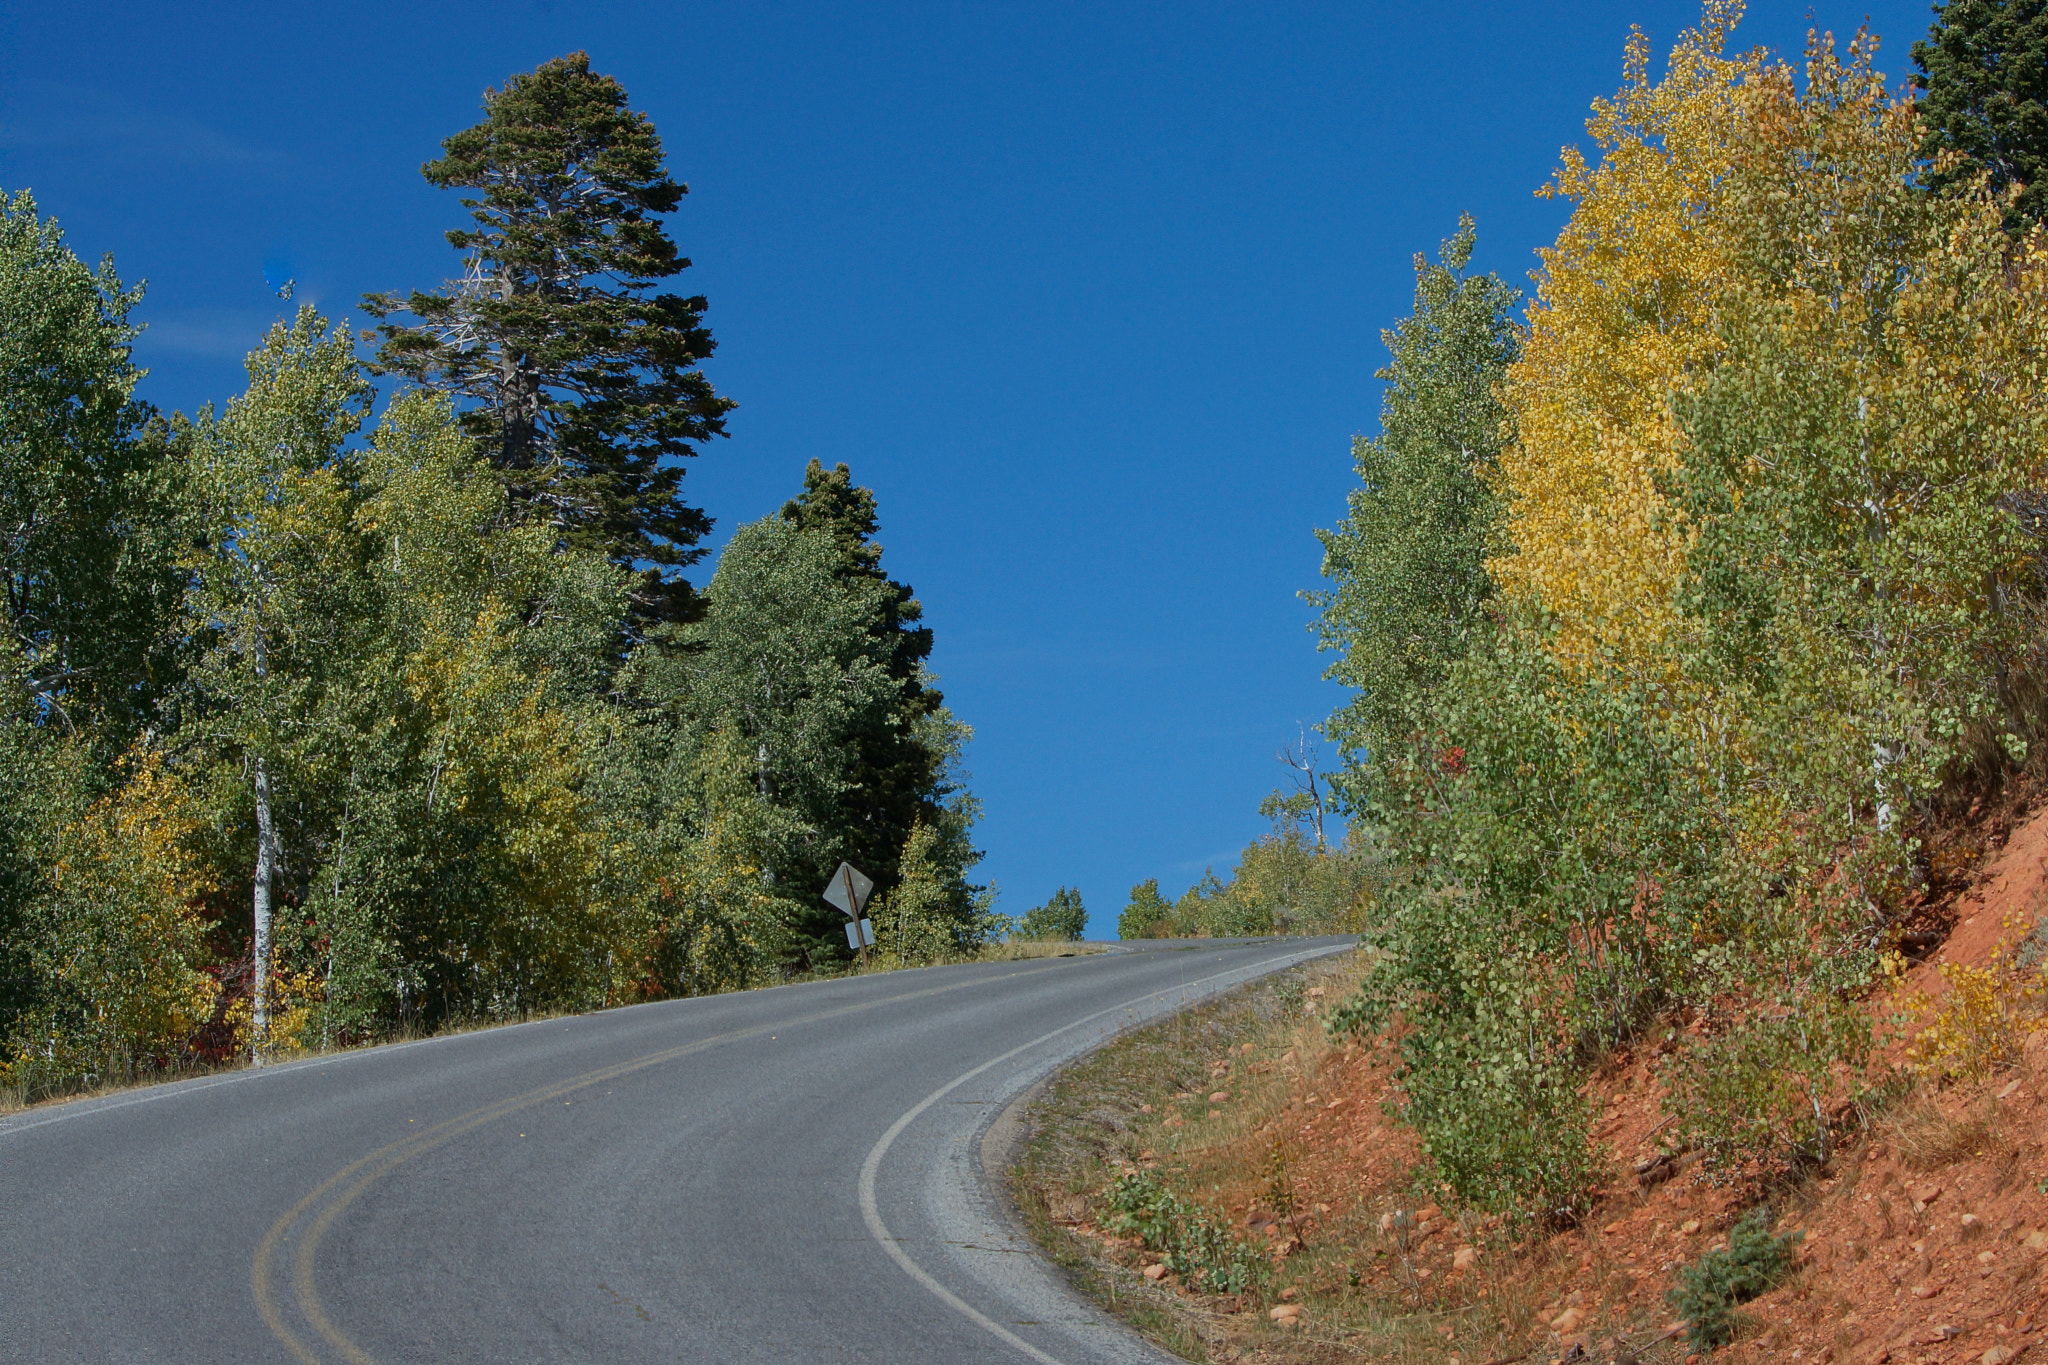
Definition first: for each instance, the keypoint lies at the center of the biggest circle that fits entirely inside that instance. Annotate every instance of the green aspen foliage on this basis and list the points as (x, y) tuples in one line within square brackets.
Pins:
[(1059, 920), (1147, 913), (1408, 561), (88, 508)]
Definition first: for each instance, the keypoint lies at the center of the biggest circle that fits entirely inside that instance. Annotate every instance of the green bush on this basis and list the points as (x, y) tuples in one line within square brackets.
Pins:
[(1059, 920), (1146, 915), (1203, 1252), (1754, 1262)]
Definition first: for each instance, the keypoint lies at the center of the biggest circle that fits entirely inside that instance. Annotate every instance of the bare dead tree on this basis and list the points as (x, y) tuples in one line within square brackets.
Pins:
[(1301, 756)]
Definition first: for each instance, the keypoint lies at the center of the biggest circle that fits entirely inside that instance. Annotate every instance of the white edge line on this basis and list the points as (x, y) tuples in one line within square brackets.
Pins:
[(872, 1213)]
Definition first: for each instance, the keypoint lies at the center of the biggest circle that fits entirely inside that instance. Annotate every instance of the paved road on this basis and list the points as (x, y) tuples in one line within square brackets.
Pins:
[(789, 1175)]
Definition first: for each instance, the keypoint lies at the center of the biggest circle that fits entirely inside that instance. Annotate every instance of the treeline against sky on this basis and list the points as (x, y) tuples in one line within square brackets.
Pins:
[(1682, 604), (342, 710)]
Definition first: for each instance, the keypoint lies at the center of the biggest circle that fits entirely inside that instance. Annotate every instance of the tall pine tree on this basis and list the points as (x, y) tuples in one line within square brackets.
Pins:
[(582, 383)]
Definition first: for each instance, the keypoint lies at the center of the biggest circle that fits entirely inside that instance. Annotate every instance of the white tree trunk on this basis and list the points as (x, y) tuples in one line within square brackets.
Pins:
[(259, 903)]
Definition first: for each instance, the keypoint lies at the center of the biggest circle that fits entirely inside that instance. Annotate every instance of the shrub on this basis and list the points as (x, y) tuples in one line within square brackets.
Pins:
[(1205, 1253), (1145, 916), (1981, 1022), (1764, 1086), (1754, 1262), (1060, 919)]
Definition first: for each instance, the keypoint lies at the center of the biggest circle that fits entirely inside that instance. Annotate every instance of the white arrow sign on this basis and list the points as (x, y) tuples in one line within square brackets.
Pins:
[(848, 890)]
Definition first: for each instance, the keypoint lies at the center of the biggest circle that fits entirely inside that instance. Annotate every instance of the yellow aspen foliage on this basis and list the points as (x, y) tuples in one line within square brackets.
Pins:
[(1982, 1017), (296, 996), (1623, 311), (123, 942), (507, 788)]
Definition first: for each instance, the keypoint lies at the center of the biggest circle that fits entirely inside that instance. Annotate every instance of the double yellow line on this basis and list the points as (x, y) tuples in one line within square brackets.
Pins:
[(310, 1218)]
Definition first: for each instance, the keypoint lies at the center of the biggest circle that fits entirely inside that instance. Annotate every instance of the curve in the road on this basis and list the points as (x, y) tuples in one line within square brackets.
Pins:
[(871, 1210), (774, 1176), (368, 1170)]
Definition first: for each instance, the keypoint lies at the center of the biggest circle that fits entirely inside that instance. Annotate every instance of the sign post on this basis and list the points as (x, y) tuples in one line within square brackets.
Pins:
[(847, 892)]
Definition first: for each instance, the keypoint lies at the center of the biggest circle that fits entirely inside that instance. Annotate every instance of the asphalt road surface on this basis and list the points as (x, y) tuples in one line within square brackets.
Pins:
[(788, 1175)]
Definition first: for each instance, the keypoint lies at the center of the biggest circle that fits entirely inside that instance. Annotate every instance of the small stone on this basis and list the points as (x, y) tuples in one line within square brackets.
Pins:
[(1567, 1322), (1997, 1355), (1463, 1257), (1926, 1291), (1155, 1272), (1969, 1225), (1616, 1226), (1986, 1257), (1289, 1294), (1286, 1312), (1926, 1194), (2036, 1240), (1219, 1097), (1689, 1226)]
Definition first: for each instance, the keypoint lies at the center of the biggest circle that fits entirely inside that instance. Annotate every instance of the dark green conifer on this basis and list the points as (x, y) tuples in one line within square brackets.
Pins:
[(583, 383), (899, 770), (1984, 70)]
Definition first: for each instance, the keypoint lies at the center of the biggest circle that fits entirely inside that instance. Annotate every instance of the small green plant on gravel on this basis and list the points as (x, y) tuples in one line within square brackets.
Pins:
[(1191, 1244), (1755, 1261)]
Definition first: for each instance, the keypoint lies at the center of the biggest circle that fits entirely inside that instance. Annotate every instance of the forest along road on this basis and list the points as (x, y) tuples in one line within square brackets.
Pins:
[(780, 1176)]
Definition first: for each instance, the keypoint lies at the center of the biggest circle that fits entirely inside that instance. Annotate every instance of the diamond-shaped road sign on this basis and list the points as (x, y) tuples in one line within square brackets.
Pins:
[(848, 890)]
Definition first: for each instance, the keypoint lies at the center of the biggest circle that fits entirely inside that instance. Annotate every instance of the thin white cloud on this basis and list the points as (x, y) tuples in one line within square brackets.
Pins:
[(213, 334), (53, 116)]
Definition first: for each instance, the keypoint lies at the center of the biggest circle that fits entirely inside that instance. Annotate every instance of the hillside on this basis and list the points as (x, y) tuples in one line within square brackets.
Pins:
[(1924, 1234)]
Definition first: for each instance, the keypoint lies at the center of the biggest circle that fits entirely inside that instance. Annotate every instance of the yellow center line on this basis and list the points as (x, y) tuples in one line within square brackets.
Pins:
[(367, 1170)]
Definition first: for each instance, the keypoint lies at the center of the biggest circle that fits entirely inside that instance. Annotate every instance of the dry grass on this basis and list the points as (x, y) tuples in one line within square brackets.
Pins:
[(1022, 949), (1927, 1139)]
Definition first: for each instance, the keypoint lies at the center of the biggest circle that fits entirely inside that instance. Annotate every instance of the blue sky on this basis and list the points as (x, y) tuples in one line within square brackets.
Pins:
[(1089, 294)]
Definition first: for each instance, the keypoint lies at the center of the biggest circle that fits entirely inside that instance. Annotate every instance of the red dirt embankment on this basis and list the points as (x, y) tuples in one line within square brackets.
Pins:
[(1926, 1237)]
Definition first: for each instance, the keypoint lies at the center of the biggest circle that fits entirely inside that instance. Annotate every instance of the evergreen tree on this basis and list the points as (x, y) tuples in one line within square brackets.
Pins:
[(1409, 560), (899, 759), (583, 385), (1984, 68)]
